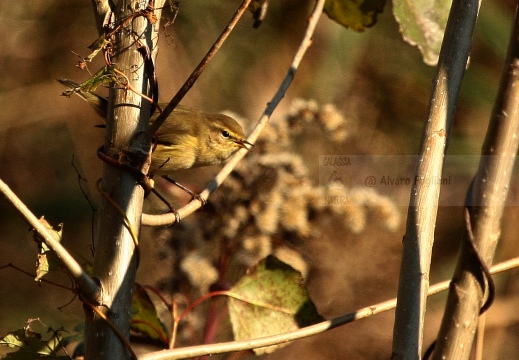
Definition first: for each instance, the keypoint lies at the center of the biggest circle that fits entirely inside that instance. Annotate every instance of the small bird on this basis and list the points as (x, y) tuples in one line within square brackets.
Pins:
[(188, 138)]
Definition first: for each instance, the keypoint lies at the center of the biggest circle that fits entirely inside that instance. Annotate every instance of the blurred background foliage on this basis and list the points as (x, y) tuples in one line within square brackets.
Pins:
[(378, 82)]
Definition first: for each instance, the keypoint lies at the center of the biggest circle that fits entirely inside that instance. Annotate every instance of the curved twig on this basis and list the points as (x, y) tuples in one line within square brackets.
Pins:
[(168, 219), (485, 271)]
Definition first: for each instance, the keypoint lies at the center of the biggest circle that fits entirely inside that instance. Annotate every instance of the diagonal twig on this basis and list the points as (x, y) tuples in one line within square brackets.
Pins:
[(318, 328), (87, 286)]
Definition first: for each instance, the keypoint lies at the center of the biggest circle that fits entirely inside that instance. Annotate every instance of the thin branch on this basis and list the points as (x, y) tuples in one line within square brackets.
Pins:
[(487, 199), (321, 327), (87, 286), (423, 204), (167, 219), (197, 72), (480, 337)]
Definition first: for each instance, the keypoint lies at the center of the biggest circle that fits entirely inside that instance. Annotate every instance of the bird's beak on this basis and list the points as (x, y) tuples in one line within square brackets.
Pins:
[(244, 144)]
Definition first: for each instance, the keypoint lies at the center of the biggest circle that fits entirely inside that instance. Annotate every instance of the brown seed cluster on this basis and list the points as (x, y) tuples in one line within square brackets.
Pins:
[(272, 201)]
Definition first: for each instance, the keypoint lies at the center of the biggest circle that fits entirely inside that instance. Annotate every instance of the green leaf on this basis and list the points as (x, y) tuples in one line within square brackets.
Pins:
[(32, 345), (103, 76), (270, 300), (145, 319), (357, 14), (422, 24)]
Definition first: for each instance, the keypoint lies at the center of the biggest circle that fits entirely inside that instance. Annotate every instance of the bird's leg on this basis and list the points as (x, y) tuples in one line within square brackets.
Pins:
[(165, 201), (193, 195)]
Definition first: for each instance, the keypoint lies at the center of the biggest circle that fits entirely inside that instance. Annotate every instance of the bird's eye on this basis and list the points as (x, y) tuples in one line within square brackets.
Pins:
[(225, 134)]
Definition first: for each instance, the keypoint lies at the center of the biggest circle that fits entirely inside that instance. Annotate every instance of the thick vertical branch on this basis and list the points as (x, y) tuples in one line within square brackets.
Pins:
[(489, 192), (423, 205), (116, 254)]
